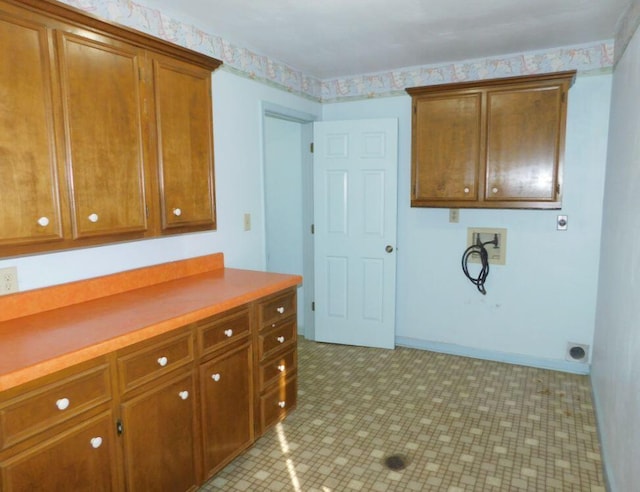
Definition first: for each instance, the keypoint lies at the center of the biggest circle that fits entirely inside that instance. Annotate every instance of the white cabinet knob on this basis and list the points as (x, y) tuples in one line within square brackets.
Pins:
[(162, 361), (280, 339), (215, 377), (282, 404), (467, 190), (281, 368), (494, 190), (43, 221), (177, 212), (228, 332), (183, 395), (280, 309), (96, 442), (93, 218), (62, 403)]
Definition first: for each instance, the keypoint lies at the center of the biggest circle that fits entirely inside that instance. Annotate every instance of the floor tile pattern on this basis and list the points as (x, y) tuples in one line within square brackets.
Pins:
[(460, 424)]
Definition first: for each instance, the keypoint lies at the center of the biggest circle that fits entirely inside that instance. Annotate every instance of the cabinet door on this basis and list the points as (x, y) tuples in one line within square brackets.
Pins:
[(102, 106), (184, 145), (29, 206), (227, 407), (159, 437), (79, 459), (525, 140), (447, 147)]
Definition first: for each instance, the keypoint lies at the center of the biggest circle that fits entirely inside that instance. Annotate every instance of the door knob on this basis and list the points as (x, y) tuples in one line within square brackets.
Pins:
[(389, 248)]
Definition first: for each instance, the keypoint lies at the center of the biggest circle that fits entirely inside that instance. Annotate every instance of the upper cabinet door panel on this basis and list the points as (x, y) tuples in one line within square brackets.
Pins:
[(184, 145), (523, 143), (447, 145), (102, 108), (30, 211)]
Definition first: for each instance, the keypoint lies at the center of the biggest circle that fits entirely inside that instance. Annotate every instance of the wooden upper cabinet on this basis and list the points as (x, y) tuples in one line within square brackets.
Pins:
[(105, 132), (30, 206), (102, 106), (490, 144), (182, 96), (447, 147)]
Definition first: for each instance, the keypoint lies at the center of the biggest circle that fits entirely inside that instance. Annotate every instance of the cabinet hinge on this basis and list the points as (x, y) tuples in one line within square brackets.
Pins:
[(119, 427), (313, 229), (557, 188), (146, 210), (311, 147), (564, 97), (313, 306)]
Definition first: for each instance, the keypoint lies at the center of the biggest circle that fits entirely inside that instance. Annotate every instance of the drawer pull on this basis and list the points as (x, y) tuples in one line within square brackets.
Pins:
[(183, 395), (96, 442), (93, 218), (467, 190), (215, 377), (282, 404), (280, 310), (281, 368), (62, 403), (177, 212), (162, 361), (43, 221), (280, 339), (228, 332)]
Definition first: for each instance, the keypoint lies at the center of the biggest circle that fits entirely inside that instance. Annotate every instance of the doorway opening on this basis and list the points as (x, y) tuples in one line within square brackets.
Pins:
[(288, 202)]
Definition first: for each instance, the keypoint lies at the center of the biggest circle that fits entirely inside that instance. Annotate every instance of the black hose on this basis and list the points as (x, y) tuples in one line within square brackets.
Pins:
[(478, 248)]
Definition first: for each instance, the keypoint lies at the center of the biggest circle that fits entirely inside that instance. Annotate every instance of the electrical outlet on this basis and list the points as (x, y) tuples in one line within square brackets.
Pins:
[(497, 253), (8, 280), (454, 215), (247, 222)]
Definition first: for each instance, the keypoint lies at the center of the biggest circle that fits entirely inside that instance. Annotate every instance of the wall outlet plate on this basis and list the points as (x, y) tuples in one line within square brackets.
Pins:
[(497, 254), (8, 280)]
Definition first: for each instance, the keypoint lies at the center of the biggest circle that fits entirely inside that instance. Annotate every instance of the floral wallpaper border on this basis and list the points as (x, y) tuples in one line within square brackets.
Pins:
[(584, 58)]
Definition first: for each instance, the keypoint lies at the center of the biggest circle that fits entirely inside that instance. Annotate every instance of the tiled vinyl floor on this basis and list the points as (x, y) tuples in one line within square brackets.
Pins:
[(461, 424)]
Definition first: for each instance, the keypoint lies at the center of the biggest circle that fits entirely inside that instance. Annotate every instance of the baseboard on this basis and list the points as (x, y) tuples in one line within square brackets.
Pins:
[(518, 359)]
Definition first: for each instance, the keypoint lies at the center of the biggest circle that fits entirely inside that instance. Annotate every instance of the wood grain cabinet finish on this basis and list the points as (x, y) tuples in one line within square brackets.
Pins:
[(58, 434), (490, 144), (184, 145), (30, 211), (160, 435), (227, 413), (162, 414), (107, 135), (276, 340)]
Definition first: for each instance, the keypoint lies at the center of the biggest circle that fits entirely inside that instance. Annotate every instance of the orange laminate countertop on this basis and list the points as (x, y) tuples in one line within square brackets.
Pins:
[(41, 343)]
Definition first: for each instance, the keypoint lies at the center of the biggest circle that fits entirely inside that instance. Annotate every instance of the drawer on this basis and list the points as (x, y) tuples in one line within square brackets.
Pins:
[(218, 331), (283, 335), (37, 410), (277, 368), (277, 403), (277, 308), (149, 360)]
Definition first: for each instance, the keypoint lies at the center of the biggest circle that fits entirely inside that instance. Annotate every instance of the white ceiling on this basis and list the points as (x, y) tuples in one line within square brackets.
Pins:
[(332, 38)]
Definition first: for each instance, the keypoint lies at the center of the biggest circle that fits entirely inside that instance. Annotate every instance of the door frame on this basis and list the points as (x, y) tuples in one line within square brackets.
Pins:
[(271, 110)]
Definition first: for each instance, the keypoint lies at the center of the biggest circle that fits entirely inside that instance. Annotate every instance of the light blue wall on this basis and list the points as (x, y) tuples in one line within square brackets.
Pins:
[(283, 201), (238, 108), (545, 295), (616, 358)]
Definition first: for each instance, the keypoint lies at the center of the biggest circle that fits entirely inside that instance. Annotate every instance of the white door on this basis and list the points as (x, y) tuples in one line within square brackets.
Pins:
[(355, 201)]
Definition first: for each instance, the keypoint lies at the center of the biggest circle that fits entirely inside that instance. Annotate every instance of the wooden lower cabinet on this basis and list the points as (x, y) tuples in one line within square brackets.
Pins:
[(227, 407), (80, 458), (159, 434), (161, 415)]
